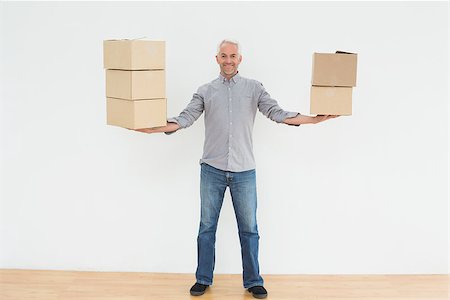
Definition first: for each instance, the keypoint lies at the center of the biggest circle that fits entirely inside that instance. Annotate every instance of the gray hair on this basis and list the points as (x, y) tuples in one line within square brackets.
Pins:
[(229, 41)]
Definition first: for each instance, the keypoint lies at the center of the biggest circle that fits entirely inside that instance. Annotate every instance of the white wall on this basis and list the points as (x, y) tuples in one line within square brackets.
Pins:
[(360, 194)]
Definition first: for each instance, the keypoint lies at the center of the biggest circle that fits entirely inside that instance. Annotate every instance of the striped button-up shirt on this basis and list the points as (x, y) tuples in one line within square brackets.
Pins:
[(230, 109)]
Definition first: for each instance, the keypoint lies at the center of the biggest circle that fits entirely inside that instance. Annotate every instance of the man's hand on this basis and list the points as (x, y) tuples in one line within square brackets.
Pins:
[(321, 118), (300, 119), (168, 128), (144, 130)]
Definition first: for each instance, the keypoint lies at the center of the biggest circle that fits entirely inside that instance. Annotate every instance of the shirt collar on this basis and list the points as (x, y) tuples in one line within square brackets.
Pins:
[(235, 78)]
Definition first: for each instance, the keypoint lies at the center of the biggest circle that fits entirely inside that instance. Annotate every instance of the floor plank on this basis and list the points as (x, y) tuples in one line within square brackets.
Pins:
[(76, 285)]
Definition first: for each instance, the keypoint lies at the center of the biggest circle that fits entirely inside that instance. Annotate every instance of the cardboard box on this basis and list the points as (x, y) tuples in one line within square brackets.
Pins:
[(334, 69), (326, 100), (136, 114), (135, 85), (134, 54)]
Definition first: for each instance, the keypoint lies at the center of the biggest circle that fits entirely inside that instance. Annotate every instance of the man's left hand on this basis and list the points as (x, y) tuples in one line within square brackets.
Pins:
[(321, 118)]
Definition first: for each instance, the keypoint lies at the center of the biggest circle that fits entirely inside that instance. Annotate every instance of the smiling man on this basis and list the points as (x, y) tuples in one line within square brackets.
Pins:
[(230, 103)]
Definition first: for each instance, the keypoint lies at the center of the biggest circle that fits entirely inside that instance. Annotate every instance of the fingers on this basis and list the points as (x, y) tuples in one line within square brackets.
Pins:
[(321, 118), (144, 130), (326, 117)]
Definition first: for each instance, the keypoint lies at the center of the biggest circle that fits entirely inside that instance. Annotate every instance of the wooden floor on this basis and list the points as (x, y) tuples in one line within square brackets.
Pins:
[(71, 285)]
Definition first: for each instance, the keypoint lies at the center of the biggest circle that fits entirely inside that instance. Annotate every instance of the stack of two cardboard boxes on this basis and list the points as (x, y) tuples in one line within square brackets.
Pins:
[(135, 83), (333, 76)]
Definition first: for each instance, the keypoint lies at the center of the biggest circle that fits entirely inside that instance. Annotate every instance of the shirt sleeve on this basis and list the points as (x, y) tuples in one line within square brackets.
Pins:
[(270, 108), (192, 112)]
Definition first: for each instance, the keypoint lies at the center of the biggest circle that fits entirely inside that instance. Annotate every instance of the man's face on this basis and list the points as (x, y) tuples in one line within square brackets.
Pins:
[(228, 59)]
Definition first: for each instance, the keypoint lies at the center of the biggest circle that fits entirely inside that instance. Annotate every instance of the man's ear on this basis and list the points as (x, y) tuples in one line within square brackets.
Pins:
[(240, 58), (217, 59)]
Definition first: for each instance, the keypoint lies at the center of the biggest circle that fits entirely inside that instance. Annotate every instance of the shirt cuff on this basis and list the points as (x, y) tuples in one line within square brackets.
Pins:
[(292, 115), (173, 120)]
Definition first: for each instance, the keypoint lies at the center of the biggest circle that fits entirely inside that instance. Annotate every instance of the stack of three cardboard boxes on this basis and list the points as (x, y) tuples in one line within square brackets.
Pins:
[(135, 83), (333, 77)]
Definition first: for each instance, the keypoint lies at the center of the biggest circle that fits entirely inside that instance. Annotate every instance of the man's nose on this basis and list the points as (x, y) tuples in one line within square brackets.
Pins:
[(227, 60)]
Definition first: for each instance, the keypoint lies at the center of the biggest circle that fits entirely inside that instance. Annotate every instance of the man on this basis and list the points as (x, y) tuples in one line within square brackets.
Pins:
[(230, 103)]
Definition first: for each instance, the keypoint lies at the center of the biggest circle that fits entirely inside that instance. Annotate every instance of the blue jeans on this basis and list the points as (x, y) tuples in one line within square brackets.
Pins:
[(213, 184)]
